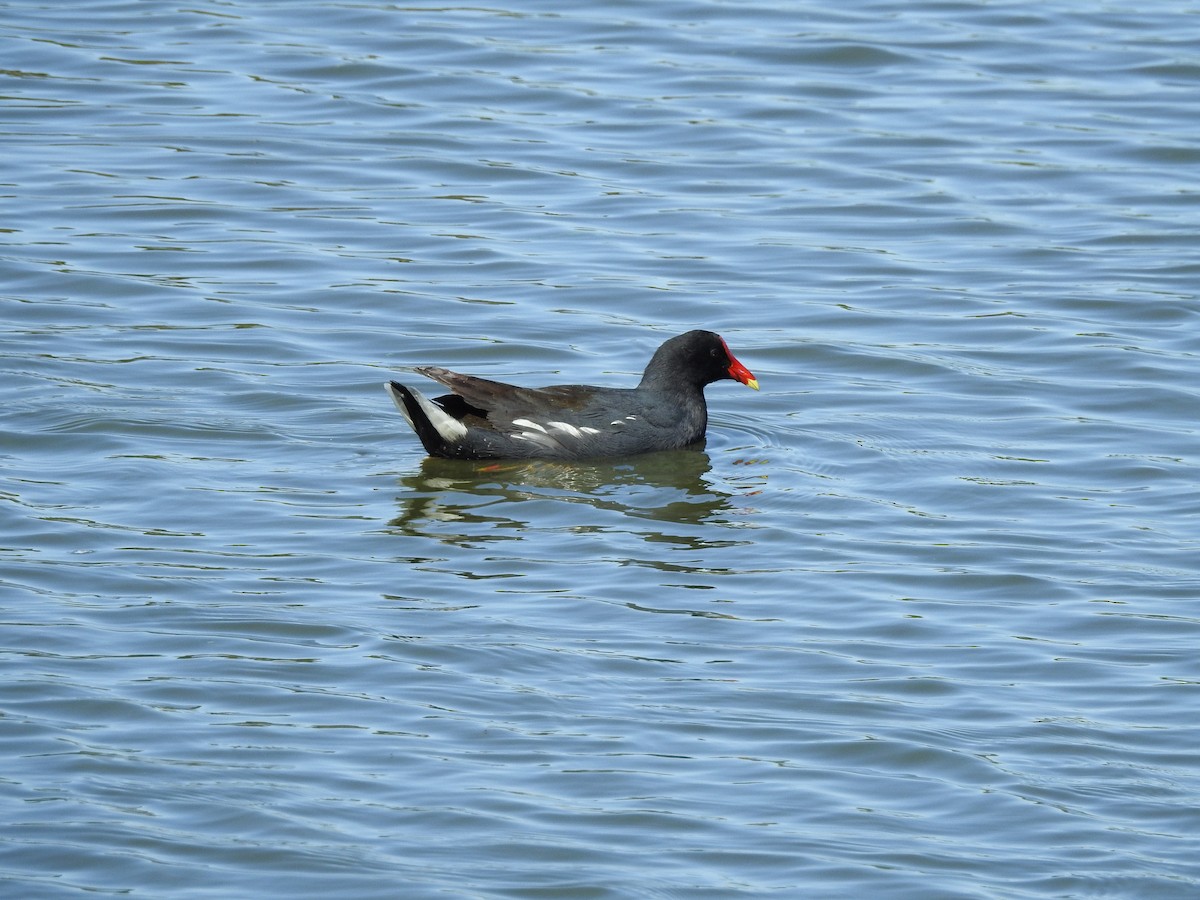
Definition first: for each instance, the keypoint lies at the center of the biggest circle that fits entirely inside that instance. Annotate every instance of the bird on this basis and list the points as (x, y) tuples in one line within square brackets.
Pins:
[(484, 419)]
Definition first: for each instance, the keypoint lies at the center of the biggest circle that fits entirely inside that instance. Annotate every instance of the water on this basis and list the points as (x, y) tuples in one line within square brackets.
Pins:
[(920, 621)]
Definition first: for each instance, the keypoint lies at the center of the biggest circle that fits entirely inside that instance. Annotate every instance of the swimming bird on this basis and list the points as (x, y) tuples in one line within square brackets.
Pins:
[(483, 419)]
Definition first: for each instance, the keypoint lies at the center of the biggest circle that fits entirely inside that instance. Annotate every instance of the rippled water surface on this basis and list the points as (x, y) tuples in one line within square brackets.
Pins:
[(921, 620)]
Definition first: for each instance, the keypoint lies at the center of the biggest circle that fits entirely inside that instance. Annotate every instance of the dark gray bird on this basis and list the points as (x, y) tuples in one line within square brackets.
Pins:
[(482, 419)]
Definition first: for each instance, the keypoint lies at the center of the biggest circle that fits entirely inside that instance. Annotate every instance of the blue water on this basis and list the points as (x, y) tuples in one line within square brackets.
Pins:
[(920, 621)]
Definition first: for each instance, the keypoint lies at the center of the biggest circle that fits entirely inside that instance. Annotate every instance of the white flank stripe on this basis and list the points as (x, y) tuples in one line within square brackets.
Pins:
[(526, 423), (537, 437), (564, 426)]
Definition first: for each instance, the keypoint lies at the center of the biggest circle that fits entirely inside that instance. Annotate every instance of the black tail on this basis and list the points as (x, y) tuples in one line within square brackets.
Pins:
[(409, 404)]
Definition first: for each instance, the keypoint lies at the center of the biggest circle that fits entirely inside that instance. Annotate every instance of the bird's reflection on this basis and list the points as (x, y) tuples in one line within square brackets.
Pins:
[(476, 502)]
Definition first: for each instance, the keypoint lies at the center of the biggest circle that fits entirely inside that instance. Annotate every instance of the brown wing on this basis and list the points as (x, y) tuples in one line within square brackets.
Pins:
[(504, 402)]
